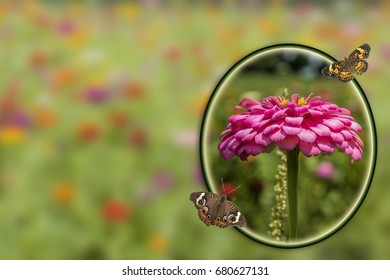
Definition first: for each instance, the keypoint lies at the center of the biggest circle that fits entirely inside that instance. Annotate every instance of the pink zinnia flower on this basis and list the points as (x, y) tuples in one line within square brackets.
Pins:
[(312, 125)]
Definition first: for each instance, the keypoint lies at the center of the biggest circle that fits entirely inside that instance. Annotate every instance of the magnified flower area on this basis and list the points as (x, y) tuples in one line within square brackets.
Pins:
[(312, 125)]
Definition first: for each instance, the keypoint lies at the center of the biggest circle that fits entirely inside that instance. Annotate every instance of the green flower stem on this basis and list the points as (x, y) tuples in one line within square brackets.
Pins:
[(292, 179)]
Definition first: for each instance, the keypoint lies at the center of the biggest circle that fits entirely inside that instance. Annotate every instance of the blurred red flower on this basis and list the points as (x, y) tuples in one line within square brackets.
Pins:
[(228, 189), (88, 131), (116, 211), (138, 137), (118, 119)]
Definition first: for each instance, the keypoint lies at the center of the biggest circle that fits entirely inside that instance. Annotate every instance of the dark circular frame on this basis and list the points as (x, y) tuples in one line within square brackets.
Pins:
[(372, 166)]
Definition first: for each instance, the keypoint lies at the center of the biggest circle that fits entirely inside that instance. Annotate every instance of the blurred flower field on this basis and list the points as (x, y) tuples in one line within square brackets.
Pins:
[(100, 113)]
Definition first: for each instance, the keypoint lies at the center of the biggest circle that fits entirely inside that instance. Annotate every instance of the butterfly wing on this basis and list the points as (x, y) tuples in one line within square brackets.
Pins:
[(344, 70), (228, 215), (203, 202), (335, 69), (345, 75), (194, 196), (361, 52), (200, 199), (235, 218), (358, 66), (215, 209)]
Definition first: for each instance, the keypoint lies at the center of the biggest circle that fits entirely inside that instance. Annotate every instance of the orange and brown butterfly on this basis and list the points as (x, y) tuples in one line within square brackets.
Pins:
[(354, 64)]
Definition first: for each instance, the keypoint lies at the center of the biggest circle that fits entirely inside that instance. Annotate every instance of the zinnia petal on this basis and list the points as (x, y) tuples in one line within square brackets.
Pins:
[(249, 137), (253, 120), (337, 137), (355, 126), (288, 143), (262, 139), (291, 130), (294, 121), (277, 136), (226, 153), (254, 149), (243, 132), (315, 113), (233, 144), (279, 115), (325, 145), (334, 124), (248, 102), (307, 136), (309, 149)]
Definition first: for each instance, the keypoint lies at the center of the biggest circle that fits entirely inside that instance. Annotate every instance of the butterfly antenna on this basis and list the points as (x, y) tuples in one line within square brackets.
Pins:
[(223, 186)]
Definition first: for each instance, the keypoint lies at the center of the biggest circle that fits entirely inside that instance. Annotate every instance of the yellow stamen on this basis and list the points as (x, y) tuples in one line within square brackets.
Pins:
[(284, 101), (302, 102)]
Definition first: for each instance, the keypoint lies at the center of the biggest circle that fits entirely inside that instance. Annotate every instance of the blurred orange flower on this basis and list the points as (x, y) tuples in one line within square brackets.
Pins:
[(172, 53), (116, 211), (38, 59), (134, 90), (78, 38), (3, 10), (10, 135), (45, 117), (64, 193), (158, 243), (88, 131), (62, 77), (42, 21)]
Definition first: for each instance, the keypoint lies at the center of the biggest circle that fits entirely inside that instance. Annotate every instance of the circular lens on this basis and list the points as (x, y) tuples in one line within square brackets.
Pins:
[(331, 188)]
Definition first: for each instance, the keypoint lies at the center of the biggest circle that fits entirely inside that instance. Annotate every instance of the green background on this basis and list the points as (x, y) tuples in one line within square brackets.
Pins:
[(107, 174)]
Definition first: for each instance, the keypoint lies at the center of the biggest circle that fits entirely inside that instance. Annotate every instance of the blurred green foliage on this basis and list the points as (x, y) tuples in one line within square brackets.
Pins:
[(100, 116)]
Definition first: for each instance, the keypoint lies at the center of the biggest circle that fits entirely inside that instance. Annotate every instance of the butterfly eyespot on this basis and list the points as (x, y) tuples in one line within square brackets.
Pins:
[(218, 219), (232, 217), (224, 219), (208, 217), (201, 202), (205, 210)]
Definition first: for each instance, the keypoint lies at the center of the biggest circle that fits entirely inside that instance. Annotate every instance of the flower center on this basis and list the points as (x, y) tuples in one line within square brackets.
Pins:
[(302, 102), (284, 101)]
